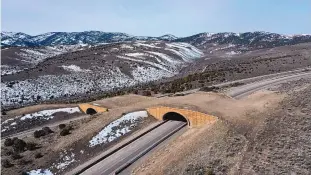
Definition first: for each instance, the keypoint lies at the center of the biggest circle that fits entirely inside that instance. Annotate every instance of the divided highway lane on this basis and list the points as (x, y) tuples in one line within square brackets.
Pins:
[(117, 160), (129, 153), (269, 77), (242, 91), (126, 154)]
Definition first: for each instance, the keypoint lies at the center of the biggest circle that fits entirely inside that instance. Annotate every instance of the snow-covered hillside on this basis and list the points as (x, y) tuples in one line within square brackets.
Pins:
[(241, 42), (9, 38), (20, 58), (74, 63), (73, 38), (168, 37), (97, 69)]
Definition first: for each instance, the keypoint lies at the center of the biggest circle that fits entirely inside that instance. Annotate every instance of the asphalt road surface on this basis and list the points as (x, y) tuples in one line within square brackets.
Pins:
[(128, 153), (241, 91), (270, 77), (113, 162)]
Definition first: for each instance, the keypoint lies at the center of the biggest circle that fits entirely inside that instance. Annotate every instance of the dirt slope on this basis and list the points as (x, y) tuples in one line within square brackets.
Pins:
[(266, 133)]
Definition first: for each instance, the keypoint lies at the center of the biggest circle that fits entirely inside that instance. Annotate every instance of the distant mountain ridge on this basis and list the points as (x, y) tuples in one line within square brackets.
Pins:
[(253, 39), (72, 38), (247, 40), (97, 62)]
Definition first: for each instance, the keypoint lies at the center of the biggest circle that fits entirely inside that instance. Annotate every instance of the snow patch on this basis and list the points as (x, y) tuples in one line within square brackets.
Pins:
[(10, 124), (164, 56), (40, 172), (66, 160), (233, 53), (149, 74), (48, 114), (108, 134), (14, 123), (146, 45), (209, 34), (42, 115), (74, 68), (139, 55), (126, 46), (168, 37), (8, 120), (185, 50), (7, 70), (160, 66)]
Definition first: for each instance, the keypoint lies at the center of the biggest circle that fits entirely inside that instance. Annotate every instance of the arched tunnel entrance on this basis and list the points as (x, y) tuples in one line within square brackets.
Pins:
[(90, 111), (175, 116), (193, 118)]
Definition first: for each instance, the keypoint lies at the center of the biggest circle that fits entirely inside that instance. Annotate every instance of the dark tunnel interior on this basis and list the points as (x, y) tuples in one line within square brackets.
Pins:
[(174, 116), (90, 111)]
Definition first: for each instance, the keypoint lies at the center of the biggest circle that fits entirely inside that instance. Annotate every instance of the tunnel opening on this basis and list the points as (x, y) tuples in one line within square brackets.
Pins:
[(174, 116), (90, 111)]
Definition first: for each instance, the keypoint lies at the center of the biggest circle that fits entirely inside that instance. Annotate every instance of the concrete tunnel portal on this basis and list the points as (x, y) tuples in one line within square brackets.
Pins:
[(193, 118), (175, 116), (90, 111)]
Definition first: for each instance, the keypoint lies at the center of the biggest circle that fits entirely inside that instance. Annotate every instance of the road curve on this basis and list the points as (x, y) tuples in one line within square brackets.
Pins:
[(130, 152), (241, 91), (286, 75), (112, 163)]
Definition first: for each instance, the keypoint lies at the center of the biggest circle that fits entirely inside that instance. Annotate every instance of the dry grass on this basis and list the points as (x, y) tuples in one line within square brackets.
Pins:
[(210, 103), (266, 133), (36, 108), (220, 147), (216, 147)]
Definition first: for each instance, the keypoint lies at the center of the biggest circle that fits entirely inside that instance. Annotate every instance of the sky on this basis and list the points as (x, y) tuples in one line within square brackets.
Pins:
[(156, 17)]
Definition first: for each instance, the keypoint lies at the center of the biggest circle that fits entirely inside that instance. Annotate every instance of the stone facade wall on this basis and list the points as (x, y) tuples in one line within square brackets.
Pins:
[(83, 107), (194, 118)]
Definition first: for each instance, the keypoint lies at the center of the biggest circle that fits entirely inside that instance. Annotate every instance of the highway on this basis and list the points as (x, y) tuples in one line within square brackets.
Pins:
[(112, 163), (280, 76), (123, 158), (242, 91)]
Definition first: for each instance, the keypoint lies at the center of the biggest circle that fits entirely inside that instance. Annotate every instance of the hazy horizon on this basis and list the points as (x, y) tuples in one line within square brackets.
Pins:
[(156, 18)]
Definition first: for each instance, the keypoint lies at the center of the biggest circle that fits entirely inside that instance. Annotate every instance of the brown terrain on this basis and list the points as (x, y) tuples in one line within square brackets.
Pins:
[(53, 145), (208, 70), (265, 133), (221, 147)]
